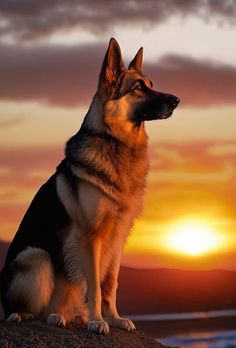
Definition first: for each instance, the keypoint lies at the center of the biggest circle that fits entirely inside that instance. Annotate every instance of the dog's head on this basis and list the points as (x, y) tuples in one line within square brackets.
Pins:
[(129, 91)]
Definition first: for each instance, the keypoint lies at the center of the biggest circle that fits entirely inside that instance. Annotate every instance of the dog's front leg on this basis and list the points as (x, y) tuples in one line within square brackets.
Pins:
[(109, 288), (91, 259)]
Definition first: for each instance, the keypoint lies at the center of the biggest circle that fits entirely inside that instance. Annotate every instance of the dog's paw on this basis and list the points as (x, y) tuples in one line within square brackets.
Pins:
[(122, 323), (98, 326), (14, 317), (27, 317), (56, 320)]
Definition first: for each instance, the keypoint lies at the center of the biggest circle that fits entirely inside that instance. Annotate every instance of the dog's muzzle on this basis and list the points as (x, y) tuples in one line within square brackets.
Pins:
[(158, 106), (170, 104), (172, 101)]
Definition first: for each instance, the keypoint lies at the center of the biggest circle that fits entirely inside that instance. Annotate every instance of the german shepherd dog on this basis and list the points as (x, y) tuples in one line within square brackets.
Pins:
[(64, 260)]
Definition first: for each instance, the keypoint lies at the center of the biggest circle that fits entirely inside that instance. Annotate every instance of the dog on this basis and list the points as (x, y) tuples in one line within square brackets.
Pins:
[(64, 260)]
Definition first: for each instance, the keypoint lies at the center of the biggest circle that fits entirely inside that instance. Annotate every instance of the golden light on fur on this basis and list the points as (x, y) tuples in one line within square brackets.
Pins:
[(193, 238)]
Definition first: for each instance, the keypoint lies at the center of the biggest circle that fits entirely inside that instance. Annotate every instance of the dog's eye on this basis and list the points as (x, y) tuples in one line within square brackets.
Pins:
[(138, 86)]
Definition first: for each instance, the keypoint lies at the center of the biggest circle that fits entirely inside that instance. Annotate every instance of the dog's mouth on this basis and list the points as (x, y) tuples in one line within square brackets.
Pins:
[(165, 115), (159, 116)]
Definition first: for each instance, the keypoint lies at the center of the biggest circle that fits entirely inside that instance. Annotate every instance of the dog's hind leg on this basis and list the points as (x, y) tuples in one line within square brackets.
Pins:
[(67, 303), (32, 285)]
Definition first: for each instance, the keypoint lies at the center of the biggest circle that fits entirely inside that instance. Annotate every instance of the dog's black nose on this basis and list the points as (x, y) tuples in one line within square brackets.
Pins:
[(172, 101)]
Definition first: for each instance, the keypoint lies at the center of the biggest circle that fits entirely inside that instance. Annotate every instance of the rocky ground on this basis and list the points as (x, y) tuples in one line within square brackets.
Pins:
[(39, 335)]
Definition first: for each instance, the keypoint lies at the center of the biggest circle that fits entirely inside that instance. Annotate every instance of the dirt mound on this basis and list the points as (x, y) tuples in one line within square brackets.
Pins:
[(40, 335)]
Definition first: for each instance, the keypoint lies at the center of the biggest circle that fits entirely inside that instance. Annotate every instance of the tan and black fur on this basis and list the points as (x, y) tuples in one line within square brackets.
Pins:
[(64, 260)]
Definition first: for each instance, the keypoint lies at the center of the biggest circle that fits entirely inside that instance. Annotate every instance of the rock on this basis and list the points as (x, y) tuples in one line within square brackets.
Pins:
[(35, 334)]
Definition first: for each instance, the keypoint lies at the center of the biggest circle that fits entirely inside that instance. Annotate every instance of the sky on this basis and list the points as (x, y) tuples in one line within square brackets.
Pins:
[(50, 56)]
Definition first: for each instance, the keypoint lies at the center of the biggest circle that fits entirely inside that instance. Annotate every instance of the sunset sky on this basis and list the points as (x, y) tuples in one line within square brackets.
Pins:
[(50, 56)]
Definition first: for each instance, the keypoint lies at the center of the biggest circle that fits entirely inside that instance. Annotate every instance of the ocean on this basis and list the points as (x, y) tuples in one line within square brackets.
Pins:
[(205, 335), (218, 339)]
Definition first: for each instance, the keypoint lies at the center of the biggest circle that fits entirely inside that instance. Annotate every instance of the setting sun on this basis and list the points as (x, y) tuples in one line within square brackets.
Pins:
[(193, 238)]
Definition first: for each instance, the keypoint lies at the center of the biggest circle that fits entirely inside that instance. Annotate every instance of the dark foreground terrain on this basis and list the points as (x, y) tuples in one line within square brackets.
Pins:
[(39, 335)]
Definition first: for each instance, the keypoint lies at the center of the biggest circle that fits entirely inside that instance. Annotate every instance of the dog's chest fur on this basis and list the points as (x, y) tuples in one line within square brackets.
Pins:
[(117, 169), (110, 183)]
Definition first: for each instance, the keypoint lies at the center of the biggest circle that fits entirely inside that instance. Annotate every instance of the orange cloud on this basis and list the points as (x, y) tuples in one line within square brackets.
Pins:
[(6, 123), (22, 171), (26, 166), (168, 199), (189, 179)]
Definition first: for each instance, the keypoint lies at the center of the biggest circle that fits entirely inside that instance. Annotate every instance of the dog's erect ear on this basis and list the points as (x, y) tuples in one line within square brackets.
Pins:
[(136, 63), (112, 66)]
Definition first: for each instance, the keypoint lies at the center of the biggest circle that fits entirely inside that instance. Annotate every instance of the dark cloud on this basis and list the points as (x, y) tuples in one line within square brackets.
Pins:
[(58, 75), (30, 20), (198, 83), (67, 76)]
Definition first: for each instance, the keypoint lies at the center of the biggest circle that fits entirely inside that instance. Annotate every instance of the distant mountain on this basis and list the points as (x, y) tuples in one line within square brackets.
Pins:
[(3, 251), (166, 290)]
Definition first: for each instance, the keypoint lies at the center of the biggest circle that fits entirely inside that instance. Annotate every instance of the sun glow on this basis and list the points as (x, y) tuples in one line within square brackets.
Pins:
[(193, 238)]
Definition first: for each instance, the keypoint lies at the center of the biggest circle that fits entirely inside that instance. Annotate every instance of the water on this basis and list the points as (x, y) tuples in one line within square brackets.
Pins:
[(219, 339), (184, 316), (204, 339)]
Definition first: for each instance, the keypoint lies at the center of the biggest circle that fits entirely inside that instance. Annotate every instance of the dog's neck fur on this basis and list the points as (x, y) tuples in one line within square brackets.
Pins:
[(94, 121), (95, 147), (93, 118)]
